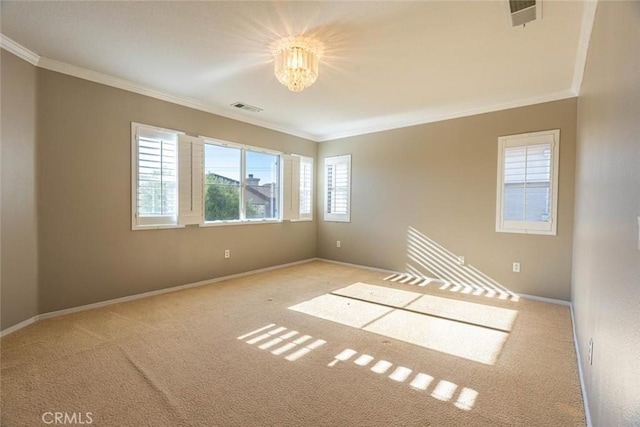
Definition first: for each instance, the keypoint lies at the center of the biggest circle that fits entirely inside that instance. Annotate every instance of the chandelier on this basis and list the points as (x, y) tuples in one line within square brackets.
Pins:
[(296, 60)]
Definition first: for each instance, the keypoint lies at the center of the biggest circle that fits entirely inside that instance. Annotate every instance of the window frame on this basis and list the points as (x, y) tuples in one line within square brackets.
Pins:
[(522, 140), (331, 216), (242, 208), (135, 218)]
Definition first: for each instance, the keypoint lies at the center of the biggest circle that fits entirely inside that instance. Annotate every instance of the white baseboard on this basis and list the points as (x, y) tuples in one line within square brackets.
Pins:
[(65, 311), (14, 328), (585, 401), (543, 299), (365, 267)]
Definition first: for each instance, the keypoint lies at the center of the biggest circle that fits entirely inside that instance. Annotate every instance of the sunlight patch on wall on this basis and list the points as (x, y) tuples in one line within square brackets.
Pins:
[(427, 256)]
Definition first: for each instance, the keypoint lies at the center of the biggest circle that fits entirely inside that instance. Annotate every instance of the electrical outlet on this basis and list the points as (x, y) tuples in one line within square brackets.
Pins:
[(337, 243), (591, 351), (227, 253), (516, 267), (461, 260)]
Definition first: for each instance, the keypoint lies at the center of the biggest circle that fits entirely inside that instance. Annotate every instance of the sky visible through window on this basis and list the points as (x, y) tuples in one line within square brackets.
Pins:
[(226, 162)]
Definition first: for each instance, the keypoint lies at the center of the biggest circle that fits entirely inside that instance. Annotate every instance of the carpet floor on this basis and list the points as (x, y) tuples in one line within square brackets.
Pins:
[(316, 344)]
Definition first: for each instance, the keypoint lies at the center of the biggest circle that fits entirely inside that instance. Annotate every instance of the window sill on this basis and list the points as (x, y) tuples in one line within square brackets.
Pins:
[(155, 227), (302, 220), (250, 222), (526, 231)]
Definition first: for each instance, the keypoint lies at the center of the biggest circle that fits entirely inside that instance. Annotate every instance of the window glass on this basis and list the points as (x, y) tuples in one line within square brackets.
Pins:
[(222, 183), (262, 188)]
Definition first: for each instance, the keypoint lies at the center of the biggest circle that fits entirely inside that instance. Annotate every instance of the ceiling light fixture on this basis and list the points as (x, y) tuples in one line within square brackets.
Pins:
[(296, 62)]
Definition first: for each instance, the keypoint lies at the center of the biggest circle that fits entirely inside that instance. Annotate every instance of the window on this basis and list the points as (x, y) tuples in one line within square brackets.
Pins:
[(527, 190), (337, 197), (180, 180), (155, 184), (241, 183)]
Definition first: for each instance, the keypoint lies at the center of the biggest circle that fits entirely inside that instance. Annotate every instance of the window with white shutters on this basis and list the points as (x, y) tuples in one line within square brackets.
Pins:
[(155, 172), (180, 180), (337, 198), (528, 183)]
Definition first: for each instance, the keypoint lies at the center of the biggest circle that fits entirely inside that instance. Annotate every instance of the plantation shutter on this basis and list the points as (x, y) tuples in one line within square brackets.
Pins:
[(338, 188), (291, 187), (156, 173), (528, 182), (306, 187), (191, 174), (527, 174)]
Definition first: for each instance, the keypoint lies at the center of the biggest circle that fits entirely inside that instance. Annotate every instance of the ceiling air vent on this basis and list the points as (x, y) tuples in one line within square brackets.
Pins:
[(247, 107), (522, 12)]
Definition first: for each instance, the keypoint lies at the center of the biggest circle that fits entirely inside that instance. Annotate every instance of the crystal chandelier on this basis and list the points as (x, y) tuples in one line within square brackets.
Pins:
[(296, 61)]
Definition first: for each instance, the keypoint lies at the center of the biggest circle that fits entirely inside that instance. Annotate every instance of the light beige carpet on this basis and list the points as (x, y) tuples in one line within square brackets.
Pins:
[(239, 353)]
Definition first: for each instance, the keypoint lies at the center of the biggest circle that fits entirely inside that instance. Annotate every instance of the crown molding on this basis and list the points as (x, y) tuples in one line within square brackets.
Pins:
[(18, 50), (421, 118), (588, 18)]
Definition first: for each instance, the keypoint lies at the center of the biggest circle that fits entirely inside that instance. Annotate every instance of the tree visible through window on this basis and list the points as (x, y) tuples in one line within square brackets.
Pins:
[(222, 184)]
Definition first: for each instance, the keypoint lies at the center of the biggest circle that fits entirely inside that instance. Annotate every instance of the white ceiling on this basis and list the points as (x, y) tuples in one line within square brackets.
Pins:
[(386, 64)]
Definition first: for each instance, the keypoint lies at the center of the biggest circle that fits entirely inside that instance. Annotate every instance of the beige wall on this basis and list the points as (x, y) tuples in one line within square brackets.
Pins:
[(19, 263), (606, 257), (88, 252), (440, 179)]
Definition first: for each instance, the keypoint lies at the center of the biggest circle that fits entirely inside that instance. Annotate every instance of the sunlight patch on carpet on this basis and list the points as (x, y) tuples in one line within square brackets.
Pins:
[(457, 339), (271, 331), (341, 310), (443, 390), (459, 328), (468, 312)]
